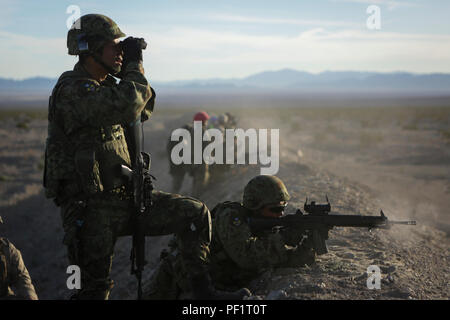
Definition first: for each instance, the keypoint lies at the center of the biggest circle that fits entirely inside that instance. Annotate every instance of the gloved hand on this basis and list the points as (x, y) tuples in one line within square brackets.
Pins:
[(290, 236), (132, 49)]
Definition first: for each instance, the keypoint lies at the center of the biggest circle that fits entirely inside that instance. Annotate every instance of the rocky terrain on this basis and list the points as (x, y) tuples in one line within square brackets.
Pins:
[(364, 160)]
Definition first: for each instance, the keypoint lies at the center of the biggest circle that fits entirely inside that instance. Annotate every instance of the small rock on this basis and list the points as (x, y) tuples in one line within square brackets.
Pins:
[(400, 294), (254, 298), (377, 255), (390, 278), (276, 295), (387, 269), (348, 255)]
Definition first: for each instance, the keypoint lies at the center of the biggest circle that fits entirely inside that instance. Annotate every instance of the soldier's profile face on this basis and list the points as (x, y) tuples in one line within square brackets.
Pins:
[(113, 55), (274, 210)]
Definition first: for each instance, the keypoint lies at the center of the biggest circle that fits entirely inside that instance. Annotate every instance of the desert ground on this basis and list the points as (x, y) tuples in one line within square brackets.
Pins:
[(391, 157)]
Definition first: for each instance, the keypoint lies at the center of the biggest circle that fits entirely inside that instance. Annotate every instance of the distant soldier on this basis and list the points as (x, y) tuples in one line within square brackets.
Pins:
[(87, 145), (15, 281), (238, 255), (198, 172), (223, 121), (231, 121), (218, 171), (212, 122)]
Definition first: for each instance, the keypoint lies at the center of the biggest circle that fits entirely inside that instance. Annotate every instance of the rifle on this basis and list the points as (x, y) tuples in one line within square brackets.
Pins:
[(319, 222), (142, 188)]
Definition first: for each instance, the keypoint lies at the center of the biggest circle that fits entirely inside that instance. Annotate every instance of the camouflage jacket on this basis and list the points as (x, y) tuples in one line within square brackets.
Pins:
[(14, 274), (238, 255), (86, 141)]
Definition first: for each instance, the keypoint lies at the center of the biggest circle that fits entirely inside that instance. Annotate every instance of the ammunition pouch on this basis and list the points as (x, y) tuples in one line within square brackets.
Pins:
[(87, 168), (57, 168)]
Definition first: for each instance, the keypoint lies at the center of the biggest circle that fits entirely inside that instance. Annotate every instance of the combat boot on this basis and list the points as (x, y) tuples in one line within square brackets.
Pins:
[(203, 289)]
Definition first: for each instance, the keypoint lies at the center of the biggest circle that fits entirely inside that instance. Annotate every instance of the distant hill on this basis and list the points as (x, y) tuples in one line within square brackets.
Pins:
[(33, 84), (330, 81), (286, 79)]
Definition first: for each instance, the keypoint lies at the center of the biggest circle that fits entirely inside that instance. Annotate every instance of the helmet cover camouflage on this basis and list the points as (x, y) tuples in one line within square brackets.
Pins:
[(263, 190), (92, 26)]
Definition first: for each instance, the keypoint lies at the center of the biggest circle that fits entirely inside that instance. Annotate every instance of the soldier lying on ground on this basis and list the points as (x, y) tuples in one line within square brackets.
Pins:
[(237, 254)]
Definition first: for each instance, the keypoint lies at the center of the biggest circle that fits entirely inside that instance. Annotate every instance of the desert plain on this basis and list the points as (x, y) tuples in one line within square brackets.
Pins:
[(392, 155)]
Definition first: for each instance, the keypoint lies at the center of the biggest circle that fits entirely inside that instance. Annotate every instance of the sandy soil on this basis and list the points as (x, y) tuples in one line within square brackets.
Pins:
[(364, 161)]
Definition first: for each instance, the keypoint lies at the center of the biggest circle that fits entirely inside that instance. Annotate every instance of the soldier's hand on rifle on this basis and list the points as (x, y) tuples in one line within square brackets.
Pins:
[(290, 236), (307, 240), (301, 256)]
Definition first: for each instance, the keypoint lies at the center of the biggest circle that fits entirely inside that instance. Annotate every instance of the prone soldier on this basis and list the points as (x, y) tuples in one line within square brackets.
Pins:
[(238, 254)]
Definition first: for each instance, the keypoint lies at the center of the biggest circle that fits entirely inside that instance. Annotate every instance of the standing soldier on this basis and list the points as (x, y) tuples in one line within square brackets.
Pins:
[(15, 281), (198, 172), (218, 172), (238, 254), (85, 149)]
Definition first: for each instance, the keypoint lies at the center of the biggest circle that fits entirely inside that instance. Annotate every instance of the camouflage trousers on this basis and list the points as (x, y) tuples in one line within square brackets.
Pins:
[(92, 228), (169, 280), (199, 173)]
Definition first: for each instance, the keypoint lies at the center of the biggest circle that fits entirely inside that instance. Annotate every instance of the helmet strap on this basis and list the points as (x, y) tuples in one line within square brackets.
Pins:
[(99, 60), (93, 51)]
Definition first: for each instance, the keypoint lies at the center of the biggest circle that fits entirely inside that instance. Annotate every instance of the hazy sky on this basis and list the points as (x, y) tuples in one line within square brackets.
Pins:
[(234, 38)]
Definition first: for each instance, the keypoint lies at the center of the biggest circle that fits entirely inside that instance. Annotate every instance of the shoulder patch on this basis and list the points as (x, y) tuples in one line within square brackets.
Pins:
[(85, 86), (89, 87)]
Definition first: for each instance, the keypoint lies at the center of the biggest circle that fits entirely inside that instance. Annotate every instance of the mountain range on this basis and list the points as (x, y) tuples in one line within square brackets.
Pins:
[(286, 79)]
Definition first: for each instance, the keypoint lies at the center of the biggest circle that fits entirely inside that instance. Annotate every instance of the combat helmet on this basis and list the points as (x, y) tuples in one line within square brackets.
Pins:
[(223, 119), (89, 29), (201, 116), (263, 190)]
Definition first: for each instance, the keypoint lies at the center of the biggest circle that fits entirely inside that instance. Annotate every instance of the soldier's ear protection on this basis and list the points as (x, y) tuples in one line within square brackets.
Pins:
[(82, 43)]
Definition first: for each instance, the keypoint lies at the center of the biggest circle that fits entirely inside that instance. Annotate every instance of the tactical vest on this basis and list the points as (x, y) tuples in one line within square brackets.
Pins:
[(3, 268), (226, 274), (217, 250), (85, 162)]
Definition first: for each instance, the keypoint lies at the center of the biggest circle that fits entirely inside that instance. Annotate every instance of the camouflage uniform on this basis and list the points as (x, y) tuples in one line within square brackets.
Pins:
[(238, 255), (219, 171), (236, 247), (85, 147), (13, 273), (198, 172)]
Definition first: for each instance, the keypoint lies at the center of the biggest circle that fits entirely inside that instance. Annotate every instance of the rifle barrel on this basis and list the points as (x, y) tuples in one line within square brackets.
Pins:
[(326, 221), (409, 223)]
